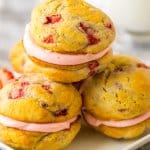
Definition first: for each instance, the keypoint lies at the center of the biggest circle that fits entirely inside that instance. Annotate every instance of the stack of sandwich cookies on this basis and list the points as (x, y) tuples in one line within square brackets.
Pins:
[(69, 39), (37, 113), (117, 101)]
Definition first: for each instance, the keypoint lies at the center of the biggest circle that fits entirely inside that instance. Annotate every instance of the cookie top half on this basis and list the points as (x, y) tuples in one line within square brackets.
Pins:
[(71, 26), (35, 98), (121, 92)]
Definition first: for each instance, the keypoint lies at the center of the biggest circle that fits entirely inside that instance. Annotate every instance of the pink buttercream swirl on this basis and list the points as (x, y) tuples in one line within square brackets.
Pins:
[(124, 123), (48, 56), (36, 127)]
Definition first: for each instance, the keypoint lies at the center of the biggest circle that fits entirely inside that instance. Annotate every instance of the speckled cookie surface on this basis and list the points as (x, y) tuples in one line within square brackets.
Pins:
[(35, 98), (120, 92), (24, 64), (71, 26)]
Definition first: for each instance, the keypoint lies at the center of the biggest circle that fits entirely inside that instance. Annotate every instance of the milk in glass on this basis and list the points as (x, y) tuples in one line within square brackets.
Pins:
[(133, 15)]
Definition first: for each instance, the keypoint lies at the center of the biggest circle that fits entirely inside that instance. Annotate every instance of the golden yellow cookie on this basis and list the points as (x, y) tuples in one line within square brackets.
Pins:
[(120, 92), (35, 99), (22, 63), (71, 26), (25, 140), (126, 132)]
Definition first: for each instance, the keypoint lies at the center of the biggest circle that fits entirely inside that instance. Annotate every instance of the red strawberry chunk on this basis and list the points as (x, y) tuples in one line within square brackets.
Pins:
[(93, 65), (53, 19), (92, 39), (1, 85), (48, 39), (16, 94), (62, 112), (90, 33), (84, 27), (109, 26), (23, 84), (5, 77)]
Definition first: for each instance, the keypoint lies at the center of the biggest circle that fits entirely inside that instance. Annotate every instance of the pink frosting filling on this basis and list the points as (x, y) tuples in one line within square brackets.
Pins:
[(36, 127), (125, 123), (57, 58)]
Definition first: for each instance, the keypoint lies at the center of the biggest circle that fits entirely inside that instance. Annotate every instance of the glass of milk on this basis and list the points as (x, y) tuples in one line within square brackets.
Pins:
[(131, 17)]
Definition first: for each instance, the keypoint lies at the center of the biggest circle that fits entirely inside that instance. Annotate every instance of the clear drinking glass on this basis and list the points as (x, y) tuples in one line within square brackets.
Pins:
[(132, 21)]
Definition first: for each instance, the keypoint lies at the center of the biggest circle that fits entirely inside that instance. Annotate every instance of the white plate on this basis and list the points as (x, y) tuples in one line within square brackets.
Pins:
[(89, 139)]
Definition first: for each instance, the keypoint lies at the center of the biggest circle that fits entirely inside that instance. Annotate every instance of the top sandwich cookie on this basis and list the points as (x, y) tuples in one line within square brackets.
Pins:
[(70, 27)]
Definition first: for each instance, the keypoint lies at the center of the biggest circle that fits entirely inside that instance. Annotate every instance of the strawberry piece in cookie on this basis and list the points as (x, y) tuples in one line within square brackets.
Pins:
[(23, 84), (109, 26), (92, 39), (16, 94), (1, 85), (90, 33), (93, 65), (48, 39), (5, 77), (62, 112), (53, 19), (19, 92)]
